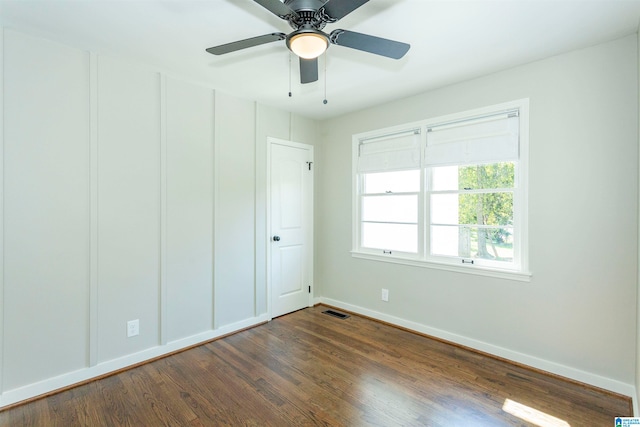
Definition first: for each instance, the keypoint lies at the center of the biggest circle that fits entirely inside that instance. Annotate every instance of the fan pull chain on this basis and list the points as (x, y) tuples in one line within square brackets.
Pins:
[(290, 75), (324, 101)]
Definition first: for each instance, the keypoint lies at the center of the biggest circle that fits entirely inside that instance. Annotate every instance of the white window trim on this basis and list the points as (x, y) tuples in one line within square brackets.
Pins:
[(421, 259)]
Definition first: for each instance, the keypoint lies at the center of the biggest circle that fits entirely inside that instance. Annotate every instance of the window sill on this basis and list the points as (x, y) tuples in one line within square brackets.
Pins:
[(467, 269)]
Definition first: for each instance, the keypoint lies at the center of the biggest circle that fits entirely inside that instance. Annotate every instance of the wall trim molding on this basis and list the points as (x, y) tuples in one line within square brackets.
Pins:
[(1, 208), (504, 353), (216, 209), (72, 379), (636, 410), (93, 209), (162, 255)]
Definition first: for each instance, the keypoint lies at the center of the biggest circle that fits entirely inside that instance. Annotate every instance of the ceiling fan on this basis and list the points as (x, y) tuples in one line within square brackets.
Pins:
[(308, 41)]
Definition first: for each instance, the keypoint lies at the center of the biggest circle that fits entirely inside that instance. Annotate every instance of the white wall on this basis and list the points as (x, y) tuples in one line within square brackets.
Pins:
[(128, 194), (577, 316), (235, 211), (46, 210), (189, 209), (128, 218)]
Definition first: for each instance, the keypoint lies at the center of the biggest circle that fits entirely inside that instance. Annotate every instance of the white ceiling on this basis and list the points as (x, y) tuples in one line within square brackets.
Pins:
[(451, 41)]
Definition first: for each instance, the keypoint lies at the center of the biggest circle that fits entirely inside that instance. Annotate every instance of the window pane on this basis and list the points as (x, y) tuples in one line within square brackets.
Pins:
[(492, 243), (444, 178), (395, 237), (445, 240), (390, 208), (473, 242), (474, 208), (394, 182), (486, 209), (445, 209), (473, 177)]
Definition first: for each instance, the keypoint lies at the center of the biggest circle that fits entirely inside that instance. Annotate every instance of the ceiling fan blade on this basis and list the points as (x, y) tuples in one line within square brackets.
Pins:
[(371, 44), (338, 9), (308, 70), (277, 8), (243, 44)]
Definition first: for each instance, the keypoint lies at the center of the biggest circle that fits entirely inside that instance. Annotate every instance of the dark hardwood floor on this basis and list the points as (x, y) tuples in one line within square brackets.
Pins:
[(308, 368)]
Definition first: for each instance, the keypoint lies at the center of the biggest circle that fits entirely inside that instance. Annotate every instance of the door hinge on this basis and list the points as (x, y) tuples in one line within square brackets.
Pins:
[(309, 164), (309, 288)]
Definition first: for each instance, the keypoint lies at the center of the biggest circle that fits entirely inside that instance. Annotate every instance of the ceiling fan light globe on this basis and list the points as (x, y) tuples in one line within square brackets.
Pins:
[(308, 45)]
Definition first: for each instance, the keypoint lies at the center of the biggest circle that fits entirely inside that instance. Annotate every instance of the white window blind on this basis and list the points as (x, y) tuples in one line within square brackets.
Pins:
[(485, 139), (395, 152)]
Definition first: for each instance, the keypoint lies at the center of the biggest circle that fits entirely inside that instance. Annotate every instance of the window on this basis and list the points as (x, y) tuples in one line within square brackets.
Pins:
[(389, 204), (472, 212), (390, 192), (446, 193)]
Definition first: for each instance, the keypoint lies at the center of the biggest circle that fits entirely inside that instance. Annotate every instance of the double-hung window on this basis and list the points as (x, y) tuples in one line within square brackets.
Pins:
[(389, 180), (445, 192)]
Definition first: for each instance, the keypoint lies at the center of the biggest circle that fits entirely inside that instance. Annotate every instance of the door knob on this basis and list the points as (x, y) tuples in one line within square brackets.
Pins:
[(276, 238)]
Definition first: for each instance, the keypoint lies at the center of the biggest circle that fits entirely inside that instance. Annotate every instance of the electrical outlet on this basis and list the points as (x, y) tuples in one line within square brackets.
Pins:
[(133, 328), (385, 295)]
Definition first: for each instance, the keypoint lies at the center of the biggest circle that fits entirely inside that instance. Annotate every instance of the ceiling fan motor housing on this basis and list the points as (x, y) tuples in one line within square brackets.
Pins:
[(309, 14), (299, 5)]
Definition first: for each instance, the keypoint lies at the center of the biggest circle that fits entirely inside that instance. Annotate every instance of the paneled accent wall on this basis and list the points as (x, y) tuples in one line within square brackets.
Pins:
[(128, 207), (235, 213), (189, 210), (128, 194), (46, 215)]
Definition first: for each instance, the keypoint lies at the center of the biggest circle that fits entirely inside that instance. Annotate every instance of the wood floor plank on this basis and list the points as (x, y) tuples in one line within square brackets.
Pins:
[(307, 368)]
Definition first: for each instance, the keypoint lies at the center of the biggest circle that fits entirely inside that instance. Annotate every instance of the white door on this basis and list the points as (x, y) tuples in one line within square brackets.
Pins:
[(291, 225)]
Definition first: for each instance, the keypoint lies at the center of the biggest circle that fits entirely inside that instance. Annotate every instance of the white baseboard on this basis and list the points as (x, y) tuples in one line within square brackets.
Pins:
[(545, 365), (49, 385)]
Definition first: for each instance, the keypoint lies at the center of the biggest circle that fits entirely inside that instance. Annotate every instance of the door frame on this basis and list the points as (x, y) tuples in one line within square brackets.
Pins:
[(270, 142)]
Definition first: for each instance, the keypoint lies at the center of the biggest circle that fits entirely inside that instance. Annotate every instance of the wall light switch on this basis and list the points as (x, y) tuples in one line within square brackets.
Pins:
[(133, 328)]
